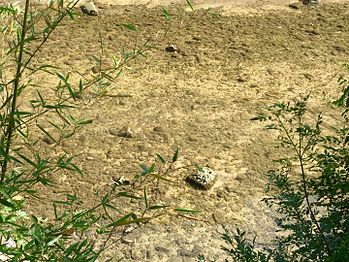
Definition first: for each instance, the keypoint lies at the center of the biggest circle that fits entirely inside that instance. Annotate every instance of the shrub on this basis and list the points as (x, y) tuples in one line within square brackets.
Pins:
[(24, 167), (310, 189)]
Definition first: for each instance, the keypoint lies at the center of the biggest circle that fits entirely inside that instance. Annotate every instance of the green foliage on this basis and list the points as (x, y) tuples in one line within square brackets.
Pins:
[(25, 167), (240, 250), (310, 189)]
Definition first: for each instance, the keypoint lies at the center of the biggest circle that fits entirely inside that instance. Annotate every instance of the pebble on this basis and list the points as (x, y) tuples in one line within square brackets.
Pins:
[(159, 129), (89, 8), (340, 49), (47, 140), (161, 249), (125, 132), (220, 194), (187, 253), (69, 62), (171, 48), (197, 58), (229, 169), (96, 69), (202, 179), (150, 254), (311, 2), (242, 79), (296, 5), (192, 138), (219, 217), (137, 256)]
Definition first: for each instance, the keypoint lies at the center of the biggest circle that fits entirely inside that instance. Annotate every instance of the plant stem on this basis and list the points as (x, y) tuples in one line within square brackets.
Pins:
[(11, 125), (312, 215), (300, 152)]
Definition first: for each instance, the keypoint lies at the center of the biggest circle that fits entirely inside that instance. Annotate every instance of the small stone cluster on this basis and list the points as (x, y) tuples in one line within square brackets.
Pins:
[(203, 178)]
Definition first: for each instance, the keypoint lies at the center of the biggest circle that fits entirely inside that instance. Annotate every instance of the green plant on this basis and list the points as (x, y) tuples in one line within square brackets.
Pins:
[(25, 166), (310, 189), (238, 248)]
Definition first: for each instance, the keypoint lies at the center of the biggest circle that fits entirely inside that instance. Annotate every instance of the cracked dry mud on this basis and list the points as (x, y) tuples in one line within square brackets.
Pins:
[(198, 98)]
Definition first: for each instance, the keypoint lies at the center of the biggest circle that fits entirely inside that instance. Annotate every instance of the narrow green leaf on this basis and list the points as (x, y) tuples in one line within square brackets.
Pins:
[(186, 210), (53, 241), (128, 219), (259, 118), (154, 207), (7, 203), (26, 160), (105, 199), (162, 160), (42, 101), (130, 27), (96, 59), (121, 221), (46, 133), (166, 14), (84, 122), (189, 3), (175, 156), (147, 170), (76, 169), (126, 194), (145, 195), (110, 206), (58, 106), (67, 85)]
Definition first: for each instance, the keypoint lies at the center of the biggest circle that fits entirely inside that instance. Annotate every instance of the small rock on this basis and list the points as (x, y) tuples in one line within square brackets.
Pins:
[(308, 76), (89, 8), (194, 107), (150, 254), (339, 49), (192, 138), (125, 132), (96, 69), (242, 79), (311, 2), (126, 241), (68, 62), (48, 140), (137, 255), (278, 222), (229, 169), (161, 249), (312, 32), (220, 194), (113, 132), (159, 129), (171, 48), (203, 178), (295, 6), (219, 217), (197, 58), (187, 253)]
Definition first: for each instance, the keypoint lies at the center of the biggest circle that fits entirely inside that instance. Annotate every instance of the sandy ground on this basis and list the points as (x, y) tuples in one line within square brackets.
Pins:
[(199, 99)]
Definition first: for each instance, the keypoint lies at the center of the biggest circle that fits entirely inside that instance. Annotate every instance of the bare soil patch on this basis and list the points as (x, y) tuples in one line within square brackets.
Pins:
[(199, 99)]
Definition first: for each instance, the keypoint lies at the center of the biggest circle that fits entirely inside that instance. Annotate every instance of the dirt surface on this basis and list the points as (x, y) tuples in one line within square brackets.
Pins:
[(199, 99)]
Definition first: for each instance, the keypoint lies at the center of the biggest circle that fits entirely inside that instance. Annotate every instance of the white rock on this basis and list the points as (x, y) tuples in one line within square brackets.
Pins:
[(89, 8)]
